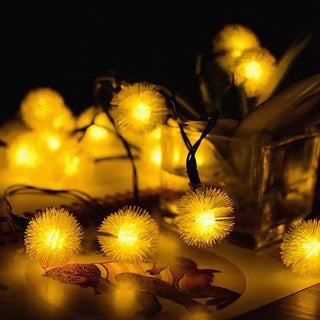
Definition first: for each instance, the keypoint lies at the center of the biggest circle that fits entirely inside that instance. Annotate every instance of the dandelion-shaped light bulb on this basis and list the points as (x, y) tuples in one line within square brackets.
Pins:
[(139, 107), (204, 216), (253, 70), (53, 237), (300, 249), (44, 109), (130, 235), (231, 42)]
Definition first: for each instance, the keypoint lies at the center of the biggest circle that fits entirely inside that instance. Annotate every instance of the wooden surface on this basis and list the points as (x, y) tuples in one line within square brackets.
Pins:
[(304, 305)]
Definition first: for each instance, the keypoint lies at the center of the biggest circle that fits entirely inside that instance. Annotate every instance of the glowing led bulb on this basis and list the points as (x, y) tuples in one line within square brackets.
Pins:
[(53, 142), (231, 42), (205, 216), (300, 249), (130, 235), (44, 109), (96, 133), (156, 156), (24, 152), (26, 156), (54, 240), (139, 107), (253, 71), (141, 112), (71, 165), (53, 237), (205, 221)]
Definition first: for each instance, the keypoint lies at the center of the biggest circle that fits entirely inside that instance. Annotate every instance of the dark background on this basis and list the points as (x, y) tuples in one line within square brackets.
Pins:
[(67, 47)]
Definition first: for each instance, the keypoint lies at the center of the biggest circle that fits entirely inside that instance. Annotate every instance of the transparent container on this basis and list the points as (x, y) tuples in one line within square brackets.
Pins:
[(272, 185)]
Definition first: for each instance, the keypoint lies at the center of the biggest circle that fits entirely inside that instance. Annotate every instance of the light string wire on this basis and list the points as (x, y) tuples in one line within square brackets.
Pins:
[(83, 197), (106, 106), (191, 162)]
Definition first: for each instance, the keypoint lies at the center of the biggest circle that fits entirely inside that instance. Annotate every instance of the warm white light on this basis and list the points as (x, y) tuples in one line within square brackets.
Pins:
[(53, 142), (53, 237), (204, 216), (71, 165), (140, 107), (141, 112), (253, 71), (44, 109), (300, 249), (156, 156), (96, 133), (133, 235)]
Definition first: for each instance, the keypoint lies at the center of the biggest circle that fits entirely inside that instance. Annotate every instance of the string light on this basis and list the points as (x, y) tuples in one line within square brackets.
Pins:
[(53, 237), (44, 109), (300, 249), (133, 235), (231, 42), (139, 107), (253, 70), (205, 216)]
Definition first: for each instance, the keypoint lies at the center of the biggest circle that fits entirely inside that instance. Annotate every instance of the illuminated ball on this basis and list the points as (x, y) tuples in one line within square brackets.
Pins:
[(300, 249), (205, 216), (133, 235), (139, 107), (53, 237), (44, 109), (52, 141), (25, 152), (231, 42), (253, 71)]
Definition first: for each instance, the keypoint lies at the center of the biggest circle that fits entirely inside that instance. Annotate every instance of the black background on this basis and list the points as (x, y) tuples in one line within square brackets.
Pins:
[(66, 47)]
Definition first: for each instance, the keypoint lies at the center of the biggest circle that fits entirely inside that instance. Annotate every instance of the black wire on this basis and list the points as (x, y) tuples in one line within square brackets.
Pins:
[(127, 146), (191, 162), (15, 189)]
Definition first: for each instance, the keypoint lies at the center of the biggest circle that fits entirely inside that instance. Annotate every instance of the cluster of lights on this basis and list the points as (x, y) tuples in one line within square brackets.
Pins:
[(240, 54), (46, 151), (54, 236)]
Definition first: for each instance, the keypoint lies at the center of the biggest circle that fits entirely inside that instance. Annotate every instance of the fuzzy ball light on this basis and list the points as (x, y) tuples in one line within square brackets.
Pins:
[(139, 107), (53, 237), (44, 109), (128, 235), (231, 42), (300, 249), (204, 216), (253, 71)]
